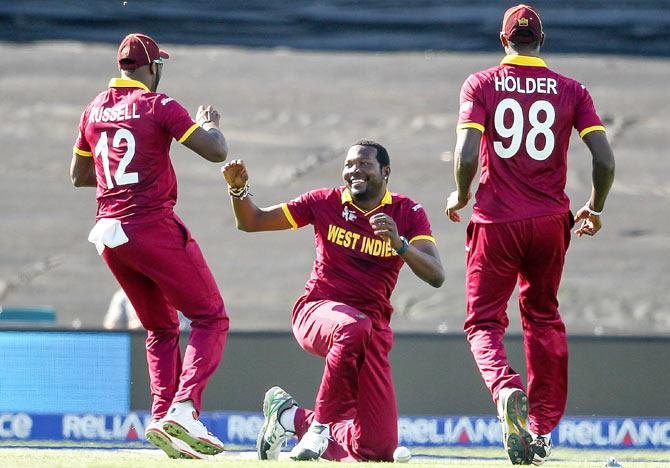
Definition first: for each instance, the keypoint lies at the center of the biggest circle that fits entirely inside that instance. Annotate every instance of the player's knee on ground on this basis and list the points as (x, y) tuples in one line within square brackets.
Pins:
[(377, 449)]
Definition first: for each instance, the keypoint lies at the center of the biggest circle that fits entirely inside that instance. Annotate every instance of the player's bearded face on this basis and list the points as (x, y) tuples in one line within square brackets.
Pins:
[(362, 173)]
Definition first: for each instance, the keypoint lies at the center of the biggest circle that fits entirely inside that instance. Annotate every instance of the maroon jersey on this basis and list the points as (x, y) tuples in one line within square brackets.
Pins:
[(526, 113), (128, 129), (353, 265)]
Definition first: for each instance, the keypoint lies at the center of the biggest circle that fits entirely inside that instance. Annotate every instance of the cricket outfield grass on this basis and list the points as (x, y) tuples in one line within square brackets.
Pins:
[(91, 456)]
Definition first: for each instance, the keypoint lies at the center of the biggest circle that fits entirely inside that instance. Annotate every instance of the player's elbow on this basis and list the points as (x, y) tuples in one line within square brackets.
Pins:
[(437, 280), (219, 154), (246, 227), (606, 164), (78, 180)]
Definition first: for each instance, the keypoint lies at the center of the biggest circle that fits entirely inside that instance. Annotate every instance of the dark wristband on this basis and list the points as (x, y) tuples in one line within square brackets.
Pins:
[(405, 246)]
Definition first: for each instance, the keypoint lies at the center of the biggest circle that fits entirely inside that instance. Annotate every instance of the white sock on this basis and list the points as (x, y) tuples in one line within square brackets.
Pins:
[(325, 431), (287, 418), (186, 405)]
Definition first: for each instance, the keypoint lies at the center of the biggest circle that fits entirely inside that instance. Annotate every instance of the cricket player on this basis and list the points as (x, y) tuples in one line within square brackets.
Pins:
[(123, 149), (363, 235), (516, 118)]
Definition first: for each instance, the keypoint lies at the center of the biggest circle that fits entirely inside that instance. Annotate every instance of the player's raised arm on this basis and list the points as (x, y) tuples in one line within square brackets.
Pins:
[(421, 255), (602, 178), (207, 140), (248, 216)]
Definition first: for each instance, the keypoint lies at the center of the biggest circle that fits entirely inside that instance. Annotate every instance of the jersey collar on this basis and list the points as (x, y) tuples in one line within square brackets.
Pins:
[(523, 60), (126, 83), (346, 198)]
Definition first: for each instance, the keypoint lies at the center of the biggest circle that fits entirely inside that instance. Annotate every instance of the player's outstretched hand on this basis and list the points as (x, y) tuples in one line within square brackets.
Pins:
[(207, 114), (235, 173), (453, 205), (591, 223), (386, 228)]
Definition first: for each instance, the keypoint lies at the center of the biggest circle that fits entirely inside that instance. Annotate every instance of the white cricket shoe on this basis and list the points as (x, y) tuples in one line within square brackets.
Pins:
[(174, 448), (182, 422), (273, 434), (313, 444), (541, 448), (513, 415)]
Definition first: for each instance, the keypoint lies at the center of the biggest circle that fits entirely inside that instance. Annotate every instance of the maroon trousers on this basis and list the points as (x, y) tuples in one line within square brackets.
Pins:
[(162, 270), (356, 395), (532, 252)]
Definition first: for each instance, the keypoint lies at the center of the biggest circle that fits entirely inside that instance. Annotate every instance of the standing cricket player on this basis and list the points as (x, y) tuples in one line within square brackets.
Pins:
[(123, 149), (363, 235), (517, 119)]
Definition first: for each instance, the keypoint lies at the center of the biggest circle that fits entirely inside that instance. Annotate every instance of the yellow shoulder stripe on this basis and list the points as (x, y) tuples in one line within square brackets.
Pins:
[(479, 127), (289, 216), (188, 133), (423, 237), (588, 130), (80, 152)]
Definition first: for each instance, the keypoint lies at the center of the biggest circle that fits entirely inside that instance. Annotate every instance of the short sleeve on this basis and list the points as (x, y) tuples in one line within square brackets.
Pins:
[(81, 146), (417, 225), (471, 111), (300, 210), (173, 117), (586, 117)]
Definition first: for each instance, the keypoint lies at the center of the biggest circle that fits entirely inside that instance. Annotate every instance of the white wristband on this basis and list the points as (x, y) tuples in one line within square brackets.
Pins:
[(593, 212)]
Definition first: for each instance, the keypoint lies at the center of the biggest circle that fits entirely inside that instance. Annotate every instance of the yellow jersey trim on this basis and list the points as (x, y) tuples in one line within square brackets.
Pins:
[(523, 60), (188, 132), (588, 130), (79, 152), (347, 198), (423, 237), (126, 83), (289, 216), (479, 127)]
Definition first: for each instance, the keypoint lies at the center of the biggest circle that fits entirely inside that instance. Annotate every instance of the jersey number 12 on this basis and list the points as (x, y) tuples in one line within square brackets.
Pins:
[(102, 149)]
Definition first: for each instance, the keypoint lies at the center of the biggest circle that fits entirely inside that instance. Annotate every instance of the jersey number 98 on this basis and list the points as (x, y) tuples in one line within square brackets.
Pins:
[(515, 131)]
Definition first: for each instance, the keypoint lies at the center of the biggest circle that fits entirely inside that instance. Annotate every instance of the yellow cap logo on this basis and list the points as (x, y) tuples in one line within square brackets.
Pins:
[(523, 21)]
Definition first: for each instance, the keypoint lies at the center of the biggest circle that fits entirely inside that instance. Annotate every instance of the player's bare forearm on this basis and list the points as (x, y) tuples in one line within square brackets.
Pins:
[(248, 216), (251, 218), (466, 160), (603, 168), (82, 171), (208, 142), (245, 212), (217, 135), (424, 260)]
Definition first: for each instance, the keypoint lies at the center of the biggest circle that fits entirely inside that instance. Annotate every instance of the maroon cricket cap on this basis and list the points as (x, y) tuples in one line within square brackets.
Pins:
[(137, 50), (522, 18)]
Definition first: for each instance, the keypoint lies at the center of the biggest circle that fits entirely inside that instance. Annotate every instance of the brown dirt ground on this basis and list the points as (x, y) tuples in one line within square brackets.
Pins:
[(291, 116)]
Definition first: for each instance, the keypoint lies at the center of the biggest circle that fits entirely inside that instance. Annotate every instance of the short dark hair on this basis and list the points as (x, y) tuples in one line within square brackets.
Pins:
[(382, 154), (522, 44)]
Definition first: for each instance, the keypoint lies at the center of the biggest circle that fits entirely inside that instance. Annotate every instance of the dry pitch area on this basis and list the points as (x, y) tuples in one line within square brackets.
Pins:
[(475, 458), (291, 116)]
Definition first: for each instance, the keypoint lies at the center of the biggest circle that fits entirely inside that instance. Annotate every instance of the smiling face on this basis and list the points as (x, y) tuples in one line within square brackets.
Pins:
[(363, 175)]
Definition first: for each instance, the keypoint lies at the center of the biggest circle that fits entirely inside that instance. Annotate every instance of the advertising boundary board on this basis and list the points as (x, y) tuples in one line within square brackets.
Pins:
[(241, 428)]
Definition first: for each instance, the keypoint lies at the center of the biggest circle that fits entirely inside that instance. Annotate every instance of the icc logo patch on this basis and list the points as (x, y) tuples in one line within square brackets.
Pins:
[(348, 214)]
